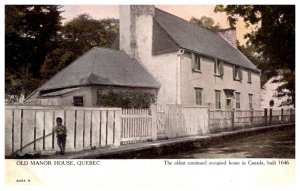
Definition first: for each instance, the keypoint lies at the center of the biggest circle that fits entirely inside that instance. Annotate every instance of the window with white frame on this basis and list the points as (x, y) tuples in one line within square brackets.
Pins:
[(237, 100), (250, 101), (199, 96), (196, 62), (218, 68), (249, 77), (237, 73), (218, 99)]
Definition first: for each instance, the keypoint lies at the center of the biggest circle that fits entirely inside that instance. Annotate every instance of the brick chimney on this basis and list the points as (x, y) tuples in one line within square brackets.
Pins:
[(136, 23), (229, 35)]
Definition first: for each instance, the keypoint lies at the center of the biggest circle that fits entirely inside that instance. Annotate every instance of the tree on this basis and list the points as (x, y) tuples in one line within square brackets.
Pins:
[(206, 22), (30, 31), (78, 36), (273, 39), (258, 60)]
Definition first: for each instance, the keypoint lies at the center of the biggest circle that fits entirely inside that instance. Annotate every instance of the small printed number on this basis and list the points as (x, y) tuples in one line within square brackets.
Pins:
[(283, 162), (22, 180)]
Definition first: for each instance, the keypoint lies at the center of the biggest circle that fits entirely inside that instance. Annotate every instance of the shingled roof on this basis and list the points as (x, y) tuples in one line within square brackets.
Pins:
[(200, 40), (101, 66), (195, 39)]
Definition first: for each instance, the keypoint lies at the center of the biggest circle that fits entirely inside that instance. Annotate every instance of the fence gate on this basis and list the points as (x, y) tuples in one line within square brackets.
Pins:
[(178, 121), (137, 126)]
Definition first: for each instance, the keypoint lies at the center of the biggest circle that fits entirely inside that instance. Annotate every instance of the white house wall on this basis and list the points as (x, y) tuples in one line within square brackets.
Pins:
[(47, 101), (209, 83), (162, 67), (86, 93)]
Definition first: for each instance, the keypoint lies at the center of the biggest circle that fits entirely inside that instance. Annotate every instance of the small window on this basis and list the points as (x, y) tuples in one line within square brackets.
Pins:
[(249, 77), (237, 73), (218, 99), (237, 100), (250, 101), (196, 62), (218, 68), (199, 96), (78, 100)]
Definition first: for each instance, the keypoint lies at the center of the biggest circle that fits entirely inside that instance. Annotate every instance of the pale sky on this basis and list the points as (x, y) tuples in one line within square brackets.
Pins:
[(184, 11)]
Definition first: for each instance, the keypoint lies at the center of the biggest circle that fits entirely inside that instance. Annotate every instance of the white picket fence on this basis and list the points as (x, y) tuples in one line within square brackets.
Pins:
[(30, 129), (137, 126)]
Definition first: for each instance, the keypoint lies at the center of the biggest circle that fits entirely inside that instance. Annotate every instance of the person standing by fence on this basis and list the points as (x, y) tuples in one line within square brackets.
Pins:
[(61, 134)]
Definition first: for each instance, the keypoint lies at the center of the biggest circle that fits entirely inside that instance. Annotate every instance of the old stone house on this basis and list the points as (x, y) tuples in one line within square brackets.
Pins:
[(162, 53)]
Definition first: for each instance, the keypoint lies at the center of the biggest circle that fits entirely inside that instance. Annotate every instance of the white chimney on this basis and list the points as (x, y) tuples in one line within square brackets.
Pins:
[(136, 23), (229, 35)]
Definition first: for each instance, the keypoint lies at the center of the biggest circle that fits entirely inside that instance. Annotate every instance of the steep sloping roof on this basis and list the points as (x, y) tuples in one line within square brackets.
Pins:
[(101, 66), (200, 40)]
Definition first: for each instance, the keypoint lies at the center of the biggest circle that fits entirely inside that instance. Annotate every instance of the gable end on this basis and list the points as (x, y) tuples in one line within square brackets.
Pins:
[(161, 41)]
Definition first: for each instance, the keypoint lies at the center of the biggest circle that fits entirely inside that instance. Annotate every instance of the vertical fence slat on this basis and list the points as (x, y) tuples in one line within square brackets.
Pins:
[(79, 129), (39, 129), (87, 128), (8, 132), (103, 127), (17, 129), (95, 128), (28, 129), (70, 125), (48, 129), (118, 124), (110, 122)]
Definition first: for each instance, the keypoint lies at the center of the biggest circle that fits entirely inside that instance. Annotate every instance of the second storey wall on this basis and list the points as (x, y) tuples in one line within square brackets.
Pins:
[(209, 83)]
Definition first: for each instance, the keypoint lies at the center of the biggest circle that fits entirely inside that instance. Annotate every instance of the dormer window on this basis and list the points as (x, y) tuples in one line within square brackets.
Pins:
[(196, 62), (237, 73), (218, 68)]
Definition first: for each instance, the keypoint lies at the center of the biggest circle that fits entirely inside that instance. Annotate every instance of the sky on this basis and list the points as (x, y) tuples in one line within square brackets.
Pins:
[(184, 11)]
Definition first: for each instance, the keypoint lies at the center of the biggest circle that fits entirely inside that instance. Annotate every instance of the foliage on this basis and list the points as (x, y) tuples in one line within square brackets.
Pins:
[(78, 36), (29, 34), (273, 39), (37, 45), (206, 22), (126, 99)]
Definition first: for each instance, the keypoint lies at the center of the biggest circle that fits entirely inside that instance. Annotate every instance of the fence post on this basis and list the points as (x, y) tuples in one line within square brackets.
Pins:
[(281, 115), (291, 115), (266, 115), (118, 124), (208, 118), (270, 116), (154, 119), (232, 119), (251, 117)]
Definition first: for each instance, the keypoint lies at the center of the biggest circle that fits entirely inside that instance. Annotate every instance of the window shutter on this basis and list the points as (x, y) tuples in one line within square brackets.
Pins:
[(240, 74), (221, 69), (249, 76), (193, 61), (233, 72), (199, 62), (215, 66)]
